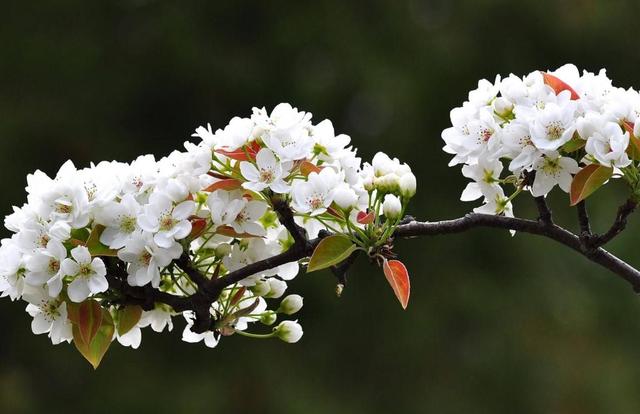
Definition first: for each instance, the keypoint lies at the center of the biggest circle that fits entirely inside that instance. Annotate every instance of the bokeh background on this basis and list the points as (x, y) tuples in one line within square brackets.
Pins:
[(496, 324)]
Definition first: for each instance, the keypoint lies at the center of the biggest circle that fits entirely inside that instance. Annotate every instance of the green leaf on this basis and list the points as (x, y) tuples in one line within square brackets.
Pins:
[(95, 350), (95, 247), (330, 251), (588, 180), (574, 144), (128, 317)]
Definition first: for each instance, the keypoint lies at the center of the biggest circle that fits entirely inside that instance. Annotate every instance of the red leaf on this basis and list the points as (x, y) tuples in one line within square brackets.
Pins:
[(241, 153), (559, 85), (89, 319), (230, 232), (365, 218), (588, 180), (197, 227), (227, 184), (307, 168), (128, 318), (95, 350), (398, 277)]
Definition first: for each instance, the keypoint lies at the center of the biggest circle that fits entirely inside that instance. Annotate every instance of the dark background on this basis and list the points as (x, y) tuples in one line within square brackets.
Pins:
[(495, 325)]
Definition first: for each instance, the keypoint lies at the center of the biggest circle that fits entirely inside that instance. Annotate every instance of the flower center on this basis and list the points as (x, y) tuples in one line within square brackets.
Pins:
[(127, 224), (266, 175), (167, 222), (54, 266), (554, 130), (316, 201), (49, 310), (145, 258), (63, 208), (85, 270)]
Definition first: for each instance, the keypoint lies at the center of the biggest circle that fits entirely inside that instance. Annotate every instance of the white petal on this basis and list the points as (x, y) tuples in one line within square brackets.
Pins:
[(81, 254), (78, 290)]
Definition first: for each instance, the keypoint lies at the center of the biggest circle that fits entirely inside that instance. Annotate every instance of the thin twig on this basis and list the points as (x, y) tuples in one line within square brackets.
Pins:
[(619, 224), (543, 210)]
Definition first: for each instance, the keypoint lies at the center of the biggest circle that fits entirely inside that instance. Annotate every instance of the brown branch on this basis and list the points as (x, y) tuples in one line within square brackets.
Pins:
[(209, 290), (555, 232), (619, 224), (543, 210)]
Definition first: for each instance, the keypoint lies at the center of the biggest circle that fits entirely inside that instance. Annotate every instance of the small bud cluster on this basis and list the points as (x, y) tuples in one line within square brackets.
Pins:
[(215, 203), (546, 127)]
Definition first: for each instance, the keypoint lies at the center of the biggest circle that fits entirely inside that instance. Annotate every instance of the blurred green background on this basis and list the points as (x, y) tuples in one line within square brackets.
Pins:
[(496, 324)]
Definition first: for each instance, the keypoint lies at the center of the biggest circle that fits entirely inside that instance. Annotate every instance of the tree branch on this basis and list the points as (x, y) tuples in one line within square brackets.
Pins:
[(555, 232), (619, 224), (543, 210)]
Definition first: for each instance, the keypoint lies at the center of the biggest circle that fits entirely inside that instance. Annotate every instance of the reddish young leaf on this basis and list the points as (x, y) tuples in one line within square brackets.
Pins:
[(95, 350), (89, 318), (242, 154), (128, 318), (198, 226), (365, 218), (230, 232), (588, 180), (237, 296), (398, 277), (335, 213), (307, 168), (559, 85), (227, 184)]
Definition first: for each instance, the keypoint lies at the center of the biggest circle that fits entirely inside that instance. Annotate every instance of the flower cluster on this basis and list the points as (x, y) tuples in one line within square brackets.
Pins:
[(87, 237), (546, 128)]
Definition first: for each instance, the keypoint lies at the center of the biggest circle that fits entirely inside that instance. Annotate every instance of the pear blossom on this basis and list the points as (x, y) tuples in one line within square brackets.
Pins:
[(167, 221), (316, 194), (49, 316), (289, 331), (553, 126), (553, 169), (267, 172), (45, 266), (88, 274), (146, 258), (121, 221)]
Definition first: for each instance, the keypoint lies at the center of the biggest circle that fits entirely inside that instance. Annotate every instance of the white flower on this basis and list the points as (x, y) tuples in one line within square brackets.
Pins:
[(327, 145), (496, 204), (553, 126), (89, 275), (553, 169), (291, 304), (267, 172), (392, 207), (289, 331), (189, 336), (49, 316), (168, 222), (121, 221), (225, 207), (277, 288), (486, 174), (315, 195), (12, 270), (145, 260), (345, 197), (246, 221), (286, 131), (45, 267), (606, 141), (158, 318), (132, 339)]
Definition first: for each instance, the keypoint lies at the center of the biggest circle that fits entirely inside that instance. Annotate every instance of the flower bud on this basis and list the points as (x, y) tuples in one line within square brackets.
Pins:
[(387, 183), (408, 185), (277, 288), (345, 198), (391, 207), (502, 106), (268, 318), (261, 288), (382, 164), (402, 169), (223, 250), (289, 331), (291, 304)]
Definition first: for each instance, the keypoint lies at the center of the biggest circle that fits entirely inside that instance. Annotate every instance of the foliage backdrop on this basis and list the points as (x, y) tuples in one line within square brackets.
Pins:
[(496, 324)]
